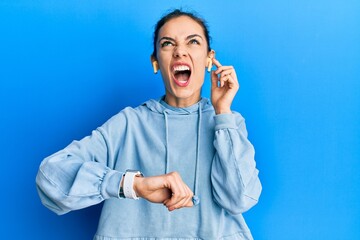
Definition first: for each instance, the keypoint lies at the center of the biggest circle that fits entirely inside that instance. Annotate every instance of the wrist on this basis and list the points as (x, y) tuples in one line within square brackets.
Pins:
[(137, 185)]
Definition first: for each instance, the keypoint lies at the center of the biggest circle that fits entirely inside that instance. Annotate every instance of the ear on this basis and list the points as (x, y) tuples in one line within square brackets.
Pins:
[(154, 63), (211, 54)]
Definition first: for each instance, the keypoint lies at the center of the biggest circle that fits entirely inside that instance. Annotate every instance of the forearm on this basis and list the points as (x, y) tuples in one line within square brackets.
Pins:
[(91, 185), (77, 176)]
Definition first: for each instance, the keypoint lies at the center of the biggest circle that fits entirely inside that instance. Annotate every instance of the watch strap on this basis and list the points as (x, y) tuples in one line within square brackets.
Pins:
[(121, 190), (128, 187)]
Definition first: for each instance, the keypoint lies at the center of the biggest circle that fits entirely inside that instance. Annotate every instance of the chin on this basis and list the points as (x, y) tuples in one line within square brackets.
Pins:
[(186, 95)]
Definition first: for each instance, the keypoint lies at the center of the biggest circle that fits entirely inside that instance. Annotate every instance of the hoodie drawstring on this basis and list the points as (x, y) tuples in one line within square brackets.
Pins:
[(167, 143), (195, 198)]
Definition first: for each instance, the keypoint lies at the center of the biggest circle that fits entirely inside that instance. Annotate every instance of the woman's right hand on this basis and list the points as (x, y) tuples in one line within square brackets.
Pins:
[(168, 189)]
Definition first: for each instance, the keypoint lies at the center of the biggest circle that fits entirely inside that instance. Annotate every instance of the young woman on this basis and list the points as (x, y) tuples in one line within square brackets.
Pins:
[(188, 153)]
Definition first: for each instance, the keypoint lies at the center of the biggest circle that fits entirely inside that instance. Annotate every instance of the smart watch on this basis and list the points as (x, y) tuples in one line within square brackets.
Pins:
[(128, 186)]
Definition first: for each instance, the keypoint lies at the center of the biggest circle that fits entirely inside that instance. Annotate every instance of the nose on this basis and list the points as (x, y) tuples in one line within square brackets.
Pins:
[(180, 51)]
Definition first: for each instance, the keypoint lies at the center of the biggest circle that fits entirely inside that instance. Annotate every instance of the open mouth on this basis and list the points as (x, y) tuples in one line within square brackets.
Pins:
[(181, 73)]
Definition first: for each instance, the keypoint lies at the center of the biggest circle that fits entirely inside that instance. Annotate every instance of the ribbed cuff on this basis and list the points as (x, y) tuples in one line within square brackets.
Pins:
[(111, 184), (226, 120)]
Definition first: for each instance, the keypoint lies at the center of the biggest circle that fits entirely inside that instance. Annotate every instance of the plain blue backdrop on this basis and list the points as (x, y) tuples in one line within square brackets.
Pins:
[(68, 66)]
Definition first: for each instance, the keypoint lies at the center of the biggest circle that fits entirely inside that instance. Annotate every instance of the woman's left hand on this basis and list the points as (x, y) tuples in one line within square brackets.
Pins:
[(224, 86)]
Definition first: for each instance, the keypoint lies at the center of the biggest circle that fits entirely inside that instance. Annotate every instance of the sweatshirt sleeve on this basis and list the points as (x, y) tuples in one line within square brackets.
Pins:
[(235, 181), (79, 175)]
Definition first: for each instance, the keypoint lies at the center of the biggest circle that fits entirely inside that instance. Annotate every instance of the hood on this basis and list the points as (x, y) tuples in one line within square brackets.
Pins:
[(160, 106)]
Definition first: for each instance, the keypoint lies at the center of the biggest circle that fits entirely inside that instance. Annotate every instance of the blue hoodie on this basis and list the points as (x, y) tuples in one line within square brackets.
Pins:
[(210, 152)]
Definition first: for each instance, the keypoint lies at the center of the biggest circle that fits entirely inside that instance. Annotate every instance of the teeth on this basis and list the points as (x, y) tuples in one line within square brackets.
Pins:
[(181, 68)]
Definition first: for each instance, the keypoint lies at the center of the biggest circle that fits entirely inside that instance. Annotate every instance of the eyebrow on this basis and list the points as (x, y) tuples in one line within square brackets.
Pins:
[(188, 37)]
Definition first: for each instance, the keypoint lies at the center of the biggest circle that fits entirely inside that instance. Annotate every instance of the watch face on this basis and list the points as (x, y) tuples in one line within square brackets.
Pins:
[(121, 192), (135, 171)]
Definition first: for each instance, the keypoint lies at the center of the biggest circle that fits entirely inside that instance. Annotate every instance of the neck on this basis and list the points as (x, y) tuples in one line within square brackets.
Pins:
[(181, 102)]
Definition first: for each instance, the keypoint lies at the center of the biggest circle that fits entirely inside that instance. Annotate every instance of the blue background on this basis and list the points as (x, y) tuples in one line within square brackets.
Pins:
[(68, 66)]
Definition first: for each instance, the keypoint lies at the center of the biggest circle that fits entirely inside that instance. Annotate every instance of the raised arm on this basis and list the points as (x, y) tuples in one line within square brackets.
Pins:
[(79, 175), (82, 174), (236, 185)]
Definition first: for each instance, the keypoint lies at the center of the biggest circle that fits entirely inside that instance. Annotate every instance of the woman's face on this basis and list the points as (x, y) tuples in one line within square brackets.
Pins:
[(181, 54)]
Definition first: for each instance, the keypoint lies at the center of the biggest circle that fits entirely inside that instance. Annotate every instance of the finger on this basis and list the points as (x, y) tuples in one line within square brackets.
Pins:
[(178, 198), (186, 201), (229, 74), (228, 71), (224, 68), (181, 194), (229, 80), (214, 79), (225, 77), (177, 187), (233, 83), (216, 62)]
